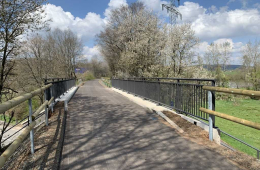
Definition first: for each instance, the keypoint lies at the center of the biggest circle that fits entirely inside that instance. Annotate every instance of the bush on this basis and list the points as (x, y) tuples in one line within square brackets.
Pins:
[(86, 76), (89, 76)]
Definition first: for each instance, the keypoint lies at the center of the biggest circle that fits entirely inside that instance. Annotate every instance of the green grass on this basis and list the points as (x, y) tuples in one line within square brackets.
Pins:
[(7, 119), (25, 109), (246, 109), (107, 82)]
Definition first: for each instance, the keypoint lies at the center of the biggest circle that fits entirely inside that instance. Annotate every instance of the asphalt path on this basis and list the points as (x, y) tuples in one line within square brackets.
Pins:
[(107, 131)]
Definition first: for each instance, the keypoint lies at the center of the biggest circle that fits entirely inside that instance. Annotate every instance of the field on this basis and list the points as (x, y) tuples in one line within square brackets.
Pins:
[(243, 108)]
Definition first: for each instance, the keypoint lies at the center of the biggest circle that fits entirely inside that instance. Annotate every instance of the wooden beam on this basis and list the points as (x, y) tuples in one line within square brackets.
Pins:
[(233, 91), (232, 118)]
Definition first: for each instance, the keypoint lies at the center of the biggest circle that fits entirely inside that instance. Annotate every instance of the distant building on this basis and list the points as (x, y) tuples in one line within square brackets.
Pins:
[(80, 70)]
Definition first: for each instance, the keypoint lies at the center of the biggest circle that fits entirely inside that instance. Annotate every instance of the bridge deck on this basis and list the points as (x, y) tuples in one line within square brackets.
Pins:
[(107, 131)]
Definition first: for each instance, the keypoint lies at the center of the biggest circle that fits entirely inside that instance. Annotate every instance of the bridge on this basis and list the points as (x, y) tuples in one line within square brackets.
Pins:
[(105, 130)]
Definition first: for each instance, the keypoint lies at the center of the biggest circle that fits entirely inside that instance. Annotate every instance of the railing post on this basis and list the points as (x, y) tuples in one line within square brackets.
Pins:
[(52, 103), (213, 103), (30, 121), (210, 116), (134, 86), (127, 85), (66, 105), (159, 90), (46, 108)]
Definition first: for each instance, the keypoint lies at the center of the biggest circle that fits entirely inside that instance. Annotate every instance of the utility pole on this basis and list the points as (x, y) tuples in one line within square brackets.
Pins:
[(172, 10)]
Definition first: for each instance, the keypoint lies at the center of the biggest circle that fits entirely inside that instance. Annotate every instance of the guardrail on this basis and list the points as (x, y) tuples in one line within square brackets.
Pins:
[(59, 86), (228, 117), (14, 102), (183, 95), (50, 94)]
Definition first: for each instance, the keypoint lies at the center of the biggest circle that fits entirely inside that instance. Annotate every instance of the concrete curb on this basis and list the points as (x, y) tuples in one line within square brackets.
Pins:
[(169, 121)]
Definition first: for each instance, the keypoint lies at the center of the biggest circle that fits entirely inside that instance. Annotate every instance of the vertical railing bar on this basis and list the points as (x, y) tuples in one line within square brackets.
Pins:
[(46, 108), (197, 102), (201, 97), (210, 116), (30, 121), (213, 104)]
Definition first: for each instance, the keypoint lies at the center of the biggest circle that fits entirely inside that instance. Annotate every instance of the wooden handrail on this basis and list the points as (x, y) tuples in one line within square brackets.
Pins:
[(50, 101), (232, 118), (233, 91), (17, 142), (18, 100)]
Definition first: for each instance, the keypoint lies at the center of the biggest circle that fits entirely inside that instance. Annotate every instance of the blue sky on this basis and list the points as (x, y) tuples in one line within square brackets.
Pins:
[(236, 21)]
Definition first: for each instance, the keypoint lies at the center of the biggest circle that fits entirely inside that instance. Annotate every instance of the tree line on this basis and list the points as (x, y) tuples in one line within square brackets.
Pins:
[(137, 43)]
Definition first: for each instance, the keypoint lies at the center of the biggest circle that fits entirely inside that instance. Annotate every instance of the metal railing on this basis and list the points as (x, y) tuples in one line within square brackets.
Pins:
[(244, 122), (52, 90), (187, 96), (59, 87), (183, 95), (31, 122)]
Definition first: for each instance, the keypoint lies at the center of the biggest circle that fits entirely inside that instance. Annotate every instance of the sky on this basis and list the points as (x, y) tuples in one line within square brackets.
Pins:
[(218, 21)]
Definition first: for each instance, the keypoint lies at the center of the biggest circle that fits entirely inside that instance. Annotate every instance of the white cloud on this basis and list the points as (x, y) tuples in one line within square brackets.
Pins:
[(114, 4), (155, 5), (227, 24), (191, 11), (90, 52), (86, 28), (213, 9)]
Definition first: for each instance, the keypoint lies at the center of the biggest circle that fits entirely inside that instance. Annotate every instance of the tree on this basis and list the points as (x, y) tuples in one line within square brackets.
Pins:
[(132, 41), (17, 18), (225, 50), (181, 40), (54, 55), (213, 57), (251, 63)]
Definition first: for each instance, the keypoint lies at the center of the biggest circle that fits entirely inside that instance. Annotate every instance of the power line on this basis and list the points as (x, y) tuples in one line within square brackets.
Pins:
[(173, 11)]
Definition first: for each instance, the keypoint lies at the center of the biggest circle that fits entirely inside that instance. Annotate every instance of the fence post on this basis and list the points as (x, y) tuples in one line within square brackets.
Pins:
[(210, 116), (30, 121), (159, 90), (46, 108), (52, 103), (66, 105), (213, 103), (134, 86), (177, 94)]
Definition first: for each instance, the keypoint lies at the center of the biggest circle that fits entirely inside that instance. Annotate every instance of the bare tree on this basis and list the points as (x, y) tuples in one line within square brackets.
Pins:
[(251, 62), (213, 57), (225, 50), (17, 18)]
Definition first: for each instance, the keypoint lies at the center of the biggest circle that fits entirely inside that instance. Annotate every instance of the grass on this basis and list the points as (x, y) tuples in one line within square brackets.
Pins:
[(246, 109), (24, 107), (106, 81)]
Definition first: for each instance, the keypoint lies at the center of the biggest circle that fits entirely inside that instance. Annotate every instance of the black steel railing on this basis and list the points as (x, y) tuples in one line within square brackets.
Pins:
[(184, 95), (59, 87)]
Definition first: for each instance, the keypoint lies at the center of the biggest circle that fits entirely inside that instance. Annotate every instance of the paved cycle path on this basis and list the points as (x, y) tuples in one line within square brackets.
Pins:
[(107, 131)]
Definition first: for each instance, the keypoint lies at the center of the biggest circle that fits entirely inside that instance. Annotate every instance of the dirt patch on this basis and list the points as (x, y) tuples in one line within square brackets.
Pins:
[(200, 136), (48, 144)]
